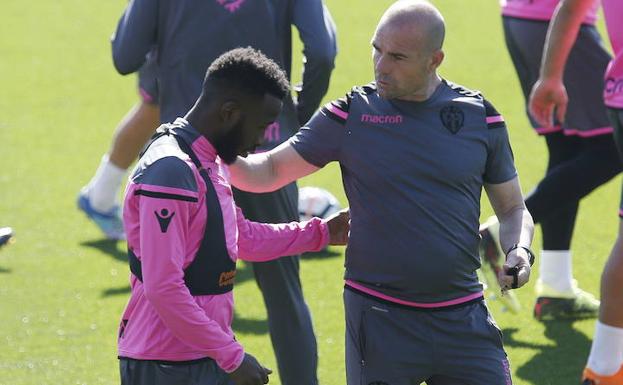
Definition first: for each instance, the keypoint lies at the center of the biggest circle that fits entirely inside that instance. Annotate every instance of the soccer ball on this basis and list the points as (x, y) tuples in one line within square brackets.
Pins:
[(316, 202)]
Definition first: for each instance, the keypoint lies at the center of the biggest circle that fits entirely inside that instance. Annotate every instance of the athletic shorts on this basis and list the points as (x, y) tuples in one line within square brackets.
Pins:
[(391, 344), (583, 77), (148, 80), (616, 119), (200, 372)]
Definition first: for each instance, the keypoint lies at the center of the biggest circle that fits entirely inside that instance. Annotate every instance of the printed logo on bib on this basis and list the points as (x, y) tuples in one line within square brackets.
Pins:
[(231, 5), (452, 118), (164, 219), (613, 86), (227, 278)]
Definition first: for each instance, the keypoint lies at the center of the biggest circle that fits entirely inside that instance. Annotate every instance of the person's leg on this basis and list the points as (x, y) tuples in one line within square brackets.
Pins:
[(605, 361), (98, 199), (289, 318), (130, 136), (386, 344), (557, 228), (468, 347)]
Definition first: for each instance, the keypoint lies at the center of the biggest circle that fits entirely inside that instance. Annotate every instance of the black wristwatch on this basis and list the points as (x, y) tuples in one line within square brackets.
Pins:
[(518, 246)]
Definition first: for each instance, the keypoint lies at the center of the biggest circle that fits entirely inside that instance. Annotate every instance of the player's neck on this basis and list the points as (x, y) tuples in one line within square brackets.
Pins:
[(424, 93)]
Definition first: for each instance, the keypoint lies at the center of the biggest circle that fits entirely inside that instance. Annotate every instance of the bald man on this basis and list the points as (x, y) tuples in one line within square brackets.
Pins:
[(415, 151)]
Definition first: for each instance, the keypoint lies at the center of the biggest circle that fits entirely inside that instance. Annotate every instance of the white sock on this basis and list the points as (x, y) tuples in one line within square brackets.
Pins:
[(607, 350), (105, 185), (556, 270)]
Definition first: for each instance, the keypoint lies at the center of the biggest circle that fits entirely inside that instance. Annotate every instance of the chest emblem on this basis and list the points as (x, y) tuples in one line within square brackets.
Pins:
[(452, 118)]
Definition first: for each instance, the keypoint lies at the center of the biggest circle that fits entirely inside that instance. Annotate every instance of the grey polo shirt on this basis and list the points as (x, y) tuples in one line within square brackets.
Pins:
[(413, 173)]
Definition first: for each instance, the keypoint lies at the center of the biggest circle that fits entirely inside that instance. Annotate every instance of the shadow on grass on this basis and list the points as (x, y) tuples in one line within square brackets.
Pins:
[(108, 246), (4, 271), (559, 362), (116, 291)]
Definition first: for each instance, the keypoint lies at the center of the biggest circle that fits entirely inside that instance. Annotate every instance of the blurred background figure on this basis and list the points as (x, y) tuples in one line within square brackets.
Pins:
[(98, 199), (6, 234), (549, 97), (582, 154)]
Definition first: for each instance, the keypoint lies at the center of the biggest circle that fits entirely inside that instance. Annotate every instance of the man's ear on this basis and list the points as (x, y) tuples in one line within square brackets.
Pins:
[(230, 114), (437, 59)]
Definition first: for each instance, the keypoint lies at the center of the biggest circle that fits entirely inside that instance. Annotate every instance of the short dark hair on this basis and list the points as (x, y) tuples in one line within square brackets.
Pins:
[(249, 71)]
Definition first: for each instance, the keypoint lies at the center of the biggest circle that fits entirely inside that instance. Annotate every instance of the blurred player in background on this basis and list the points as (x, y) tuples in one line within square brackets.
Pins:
[(582, 154), (98, 199), (549, 98)]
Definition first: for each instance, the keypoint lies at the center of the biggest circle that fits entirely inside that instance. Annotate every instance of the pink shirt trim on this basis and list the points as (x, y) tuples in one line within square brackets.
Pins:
[(495, 119), (377, 294), (335, 110), (542, 10), (573, 132)]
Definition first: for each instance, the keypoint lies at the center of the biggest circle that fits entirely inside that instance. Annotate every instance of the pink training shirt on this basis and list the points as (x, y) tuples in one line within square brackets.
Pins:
[(613, 88), (540, 9), (162, 320)]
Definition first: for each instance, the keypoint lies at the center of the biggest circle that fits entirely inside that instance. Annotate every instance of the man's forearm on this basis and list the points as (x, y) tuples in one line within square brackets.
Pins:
[(561, 36), (516, 227)]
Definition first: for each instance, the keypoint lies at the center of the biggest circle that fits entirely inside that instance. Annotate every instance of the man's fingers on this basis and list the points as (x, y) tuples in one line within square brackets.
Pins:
[(513, 277), (561, 111)]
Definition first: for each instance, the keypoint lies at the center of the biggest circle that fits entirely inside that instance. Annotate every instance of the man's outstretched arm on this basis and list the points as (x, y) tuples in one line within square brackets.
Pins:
[(270, 170)]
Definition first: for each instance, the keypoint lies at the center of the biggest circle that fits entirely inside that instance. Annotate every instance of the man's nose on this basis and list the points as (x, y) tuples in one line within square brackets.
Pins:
[(381, 66)]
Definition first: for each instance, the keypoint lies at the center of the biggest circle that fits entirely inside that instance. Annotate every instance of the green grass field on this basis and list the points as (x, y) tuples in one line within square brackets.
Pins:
[(62, 288)]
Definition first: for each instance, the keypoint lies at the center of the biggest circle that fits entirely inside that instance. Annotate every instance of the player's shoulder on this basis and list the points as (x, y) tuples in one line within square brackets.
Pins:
[(462, 94), (339, 109), (462, 91), (164, 164)]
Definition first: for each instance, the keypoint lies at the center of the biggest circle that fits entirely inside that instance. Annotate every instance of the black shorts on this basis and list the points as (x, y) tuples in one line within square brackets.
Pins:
[(583, 77), (200, 372)]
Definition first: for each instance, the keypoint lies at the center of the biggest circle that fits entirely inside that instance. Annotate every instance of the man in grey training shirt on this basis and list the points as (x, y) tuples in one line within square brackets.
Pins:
[(188, 36), (415, 152)]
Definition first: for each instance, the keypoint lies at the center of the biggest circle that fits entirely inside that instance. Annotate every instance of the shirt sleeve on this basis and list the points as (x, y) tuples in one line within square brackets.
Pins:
[(318, 34), (320, 140), (135, 35), (258, 242), (166, 206), (500, 165)]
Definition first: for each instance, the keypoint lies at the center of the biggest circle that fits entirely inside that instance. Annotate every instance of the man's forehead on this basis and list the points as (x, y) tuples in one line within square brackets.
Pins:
[(397, 37)]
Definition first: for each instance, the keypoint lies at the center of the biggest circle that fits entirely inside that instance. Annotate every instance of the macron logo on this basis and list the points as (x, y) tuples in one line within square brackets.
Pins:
[(381, 119)]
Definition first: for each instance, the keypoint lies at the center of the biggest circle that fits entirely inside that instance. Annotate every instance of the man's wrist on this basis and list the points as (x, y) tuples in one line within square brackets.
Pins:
[(516, 246)]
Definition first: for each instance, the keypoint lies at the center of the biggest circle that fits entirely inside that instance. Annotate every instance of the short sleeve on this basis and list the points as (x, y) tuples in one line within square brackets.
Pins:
[(320, 140), (500, 165)]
